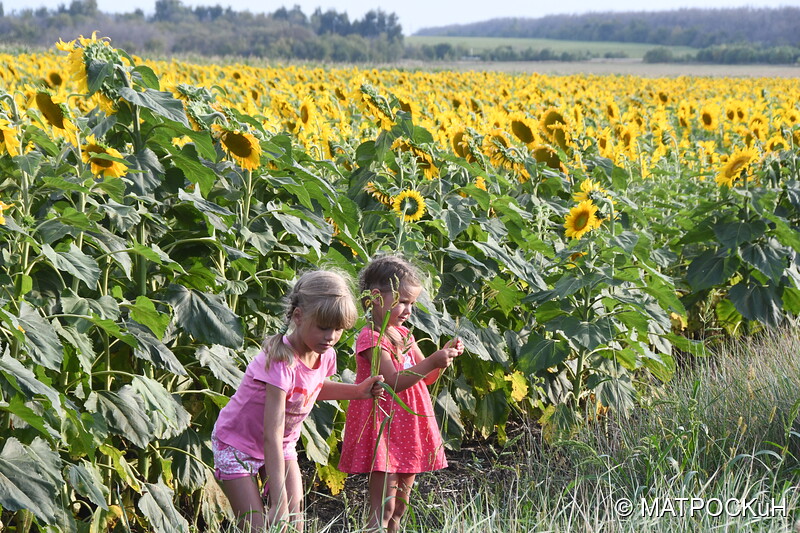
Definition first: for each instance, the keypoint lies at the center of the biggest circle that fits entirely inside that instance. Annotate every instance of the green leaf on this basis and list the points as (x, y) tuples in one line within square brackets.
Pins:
[(616, 392), (590, 335), (187, 160), (187, 466), (40, 338), (87, 481), (124, 217), (144, 75), (30, 479), (756, 302), (144, 312), (770, 258), (162, 103), (539, 353), (76, 263), (206, 317), (626, 241), (448, 415), (97, 72), (507, 297), (734, 234), (25, 381), (521, 267), (16, 406), (457, 218), (492, 410), (309, 230), (221, 362), (156, 504), (124, 412), (710, 269), (151, 349), (316, 429), (168, 417)]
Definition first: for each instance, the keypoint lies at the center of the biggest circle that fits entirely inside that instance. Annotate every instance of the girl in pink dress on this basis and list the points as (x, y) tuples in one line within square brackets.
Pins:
[(257, 431), (382, 438)]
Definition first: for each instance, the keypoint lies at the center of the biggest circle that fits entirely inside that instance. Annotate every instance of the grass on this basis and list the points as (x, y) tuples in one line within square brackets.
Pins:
[(475, 45), (725, 430)]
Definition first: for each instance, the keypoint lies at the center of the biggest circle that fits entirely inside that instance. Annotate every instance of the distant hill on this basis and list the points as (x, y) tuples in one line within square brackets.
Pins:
[(697, 28)]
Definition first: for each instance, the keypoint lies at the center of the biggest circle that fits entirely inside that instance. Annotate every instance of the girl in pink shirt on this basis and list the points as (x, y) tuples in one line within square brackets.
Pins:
[(257, 431), (382, 438)]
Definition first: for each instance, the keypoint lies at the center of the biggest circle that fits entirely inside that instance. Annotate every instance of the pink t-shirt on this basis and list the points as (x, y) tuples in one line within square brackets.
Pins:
[(241, 421)]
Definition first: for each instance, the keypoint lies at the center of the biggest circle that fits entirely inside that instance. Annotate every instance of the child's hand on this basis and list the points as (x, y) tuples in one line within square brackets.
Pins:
[(444, 357), (457, 344), (371, 388)]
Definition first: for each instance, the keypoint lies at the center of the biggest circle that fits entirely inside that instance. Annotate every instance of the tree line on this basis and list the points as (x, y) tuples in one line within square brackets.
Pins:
[(696, 28), (175, 28)]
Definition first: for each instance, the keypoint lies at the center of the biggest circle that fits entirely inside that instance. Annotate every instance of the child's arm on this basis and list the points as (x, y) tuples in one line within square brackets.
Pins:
[(431, 377), (333, 390), (401, 380), (274, 462)]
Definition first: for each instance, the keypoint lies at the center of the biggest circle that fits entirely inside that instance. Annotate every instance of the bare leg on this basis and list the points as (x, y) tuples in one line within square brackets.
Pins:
[(246, 503), (402, 499), (388, 500), (294, 494)]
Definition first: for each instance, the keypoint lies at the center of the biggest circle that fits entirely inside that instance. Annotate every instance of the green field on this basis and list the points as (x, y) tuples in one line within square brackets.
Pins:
[(476, 45)]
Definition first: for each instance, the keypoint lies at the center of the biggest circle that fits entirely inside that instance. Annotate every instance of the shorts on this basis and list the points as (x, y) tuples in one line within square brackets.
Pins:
[(230, 463)]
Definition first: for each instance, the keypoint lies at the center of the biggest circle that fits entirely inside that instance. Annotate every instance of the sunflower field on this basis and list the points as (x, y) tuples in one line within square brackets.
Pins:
[(581, 234)]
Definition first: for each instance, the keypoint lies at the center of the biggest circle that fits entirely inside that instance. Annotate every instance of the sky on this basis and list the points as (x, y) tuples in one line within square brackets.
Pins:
[(416, 14)]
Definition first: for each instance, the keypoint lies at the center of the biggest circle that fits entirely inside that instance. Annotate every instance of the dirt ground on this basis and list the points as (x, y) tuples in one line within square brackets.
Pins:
[(477, 464), (632, 67)]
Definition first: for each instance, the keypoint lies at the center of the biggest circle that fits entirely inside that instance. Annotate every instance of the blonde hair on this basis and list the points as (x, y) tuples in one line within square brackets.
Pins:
[(325, 297)]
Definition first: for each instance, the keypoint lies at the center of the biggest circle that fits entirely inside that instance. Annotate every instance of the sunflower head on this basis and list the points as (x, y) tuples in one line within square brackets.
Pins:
[(548, 155), (242, 146), (9, 138), (708, 118), (104, 161), (522, 130), (409, 205), (736, 166), (98, 53), (581, 219)]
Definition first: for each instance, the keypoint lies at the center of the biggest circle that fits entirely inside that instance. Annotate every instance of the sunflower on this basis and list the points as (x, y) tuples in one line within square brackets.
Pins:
[(410, 205), (242, 146), (737, 164), (589, 191), (480, 182), (102, 159), (54, 79), (581, 219), (547, 155), (306, 114), (522, 130), (776, 143), (461, 142), (378, 105), (708, 118), (56, 113), (423, 159), (9, 139), (375, 192), (550, 121), (3, 207)]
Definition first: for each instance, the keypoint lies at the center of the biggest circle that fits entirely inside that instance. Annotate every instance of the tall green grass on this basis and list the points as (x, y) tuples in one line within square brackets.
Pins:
[(725, 428)]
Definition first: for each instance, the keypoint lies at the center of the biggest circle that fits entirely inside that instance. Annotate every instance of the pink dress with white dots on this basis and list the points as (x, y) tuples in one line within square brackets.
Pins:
[(408, 443)]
